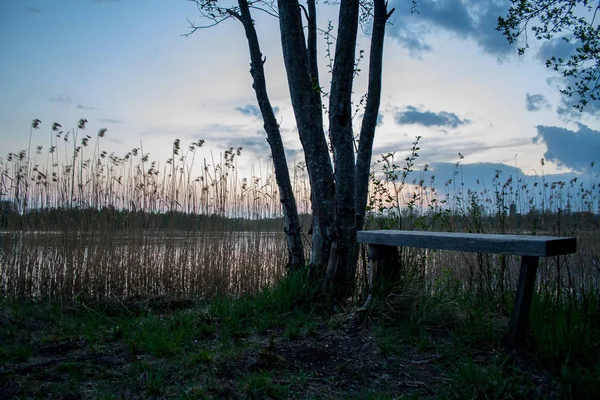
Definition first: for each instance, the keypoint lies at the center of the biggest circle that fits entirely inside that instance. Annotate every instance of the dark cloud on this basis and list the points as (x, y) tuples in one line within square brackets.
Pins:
[(255, 144), (33, 10), (455, 182), (82, 107), (566, 109), (249, 110), (536, 102), (558, 48), (471, 176), (111, 120), (60, 99), (411, 115), (572, 149), (253, 111), (561, 49), (412, 41), (467, 19), (483, 178)]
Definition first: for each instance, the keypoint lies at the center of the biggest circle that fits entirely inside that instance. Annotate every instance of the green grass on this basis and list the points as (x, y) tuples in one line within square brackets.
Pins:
[(420, 342), (261, 386), (497, 378)]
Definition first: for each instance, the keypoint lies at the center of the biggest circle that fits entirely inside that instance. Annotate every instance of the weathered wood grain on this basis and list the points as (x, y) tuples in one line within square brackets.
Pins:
[(523, 245)]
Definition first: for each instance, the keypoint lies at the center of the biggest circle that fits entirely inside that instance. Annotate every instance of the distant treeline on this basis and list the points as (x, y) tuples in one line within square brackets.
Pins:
[(83, 219)]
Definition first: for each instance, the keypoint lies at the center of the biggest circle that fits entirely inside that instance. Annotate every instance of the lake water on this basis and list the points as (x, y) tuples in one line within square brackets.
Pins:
[(36, 263)]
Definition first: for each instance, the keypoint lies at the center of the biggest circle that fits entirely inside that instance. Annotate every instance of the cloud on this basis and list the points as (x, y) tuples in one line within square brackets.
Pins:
[(33, 10), (572, 149), (82, 107), (60, 99), (473, 175), (456, 181), (294, 154), (111, 120), (468, 19), (217, 131), (411, 115), (253, 111), (566, 110), (558, 48), (561, 49), (255, 144), (536, 102), (249, 110), (450, 178), (443, 150)]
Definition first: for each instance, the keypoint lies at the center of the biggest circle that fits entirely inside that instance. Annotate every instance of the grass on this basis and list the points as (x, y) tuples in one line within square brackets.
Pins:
[(278, 345)]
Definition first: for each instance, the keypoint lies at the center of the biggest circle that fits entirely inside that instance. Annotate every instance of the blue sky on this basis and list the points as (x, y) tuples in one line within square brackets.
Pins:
[(125, 66)]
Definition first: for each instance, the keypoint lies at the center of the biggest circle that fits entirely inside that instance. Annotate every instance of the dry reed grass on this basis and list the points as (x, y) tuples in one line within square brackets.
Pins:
[(81, 222)]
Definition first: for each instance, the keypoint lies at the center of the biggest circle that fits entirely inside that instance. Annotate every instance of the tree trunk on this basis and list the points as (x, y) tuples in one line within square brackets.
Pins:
[(342, 266), (320, 253), (293, 229), (369, 122), (309, 120)]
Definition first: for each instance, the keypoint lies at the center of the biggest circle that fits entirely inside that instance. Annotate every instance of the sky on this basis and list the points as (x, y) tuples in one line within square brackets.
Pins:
[(449, 77)]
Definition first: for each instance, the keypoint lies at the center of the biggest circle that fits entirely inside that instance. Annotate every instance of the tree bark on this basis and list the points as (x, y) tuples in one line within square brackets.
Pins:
[(369, 122), (341, 268), (309, 120), (338, 199), (320, 254), (293, 229)]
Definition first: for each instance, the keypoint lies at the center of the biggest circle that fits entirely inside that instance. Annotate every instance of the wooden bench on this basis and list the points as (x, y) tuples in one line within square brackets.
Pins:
[(530, 248)]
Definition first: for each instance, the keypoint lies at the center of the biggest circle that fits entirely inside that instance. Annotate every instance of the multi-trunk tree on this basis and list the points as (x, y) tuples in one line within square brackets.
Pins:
[(339, 184)]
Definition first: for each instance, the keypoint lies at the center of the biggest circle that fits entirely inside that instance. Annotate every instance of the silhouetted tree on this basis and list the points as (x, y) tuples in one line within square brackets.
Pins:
[(339, 190)]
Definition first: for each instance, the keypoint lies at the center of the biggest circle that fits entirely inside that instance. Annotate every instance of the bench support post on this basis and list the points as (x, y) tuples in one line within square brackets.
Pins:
[(383, 268), (520, 319)]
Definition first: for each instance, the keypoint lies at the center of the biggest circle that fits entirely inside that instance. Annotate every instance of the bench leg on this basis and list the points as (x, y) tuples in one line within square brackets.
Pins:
[(383, 263), (520, 319)]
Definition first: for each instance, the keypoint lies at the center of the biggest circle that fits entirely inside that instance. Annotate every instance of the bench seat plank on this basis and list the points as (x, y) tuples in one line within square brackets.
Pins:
[(537, 246)]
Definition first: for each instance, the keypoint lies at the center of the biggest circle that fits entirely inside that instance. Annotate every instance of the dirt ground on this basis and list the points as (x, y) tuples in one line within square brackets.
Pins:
[(349, 361)]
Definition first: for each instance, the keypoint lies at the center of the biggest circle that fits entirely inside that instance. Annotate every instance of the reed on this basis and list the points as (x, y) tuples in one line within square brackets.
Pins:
[(79, 222), (401, 198)]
